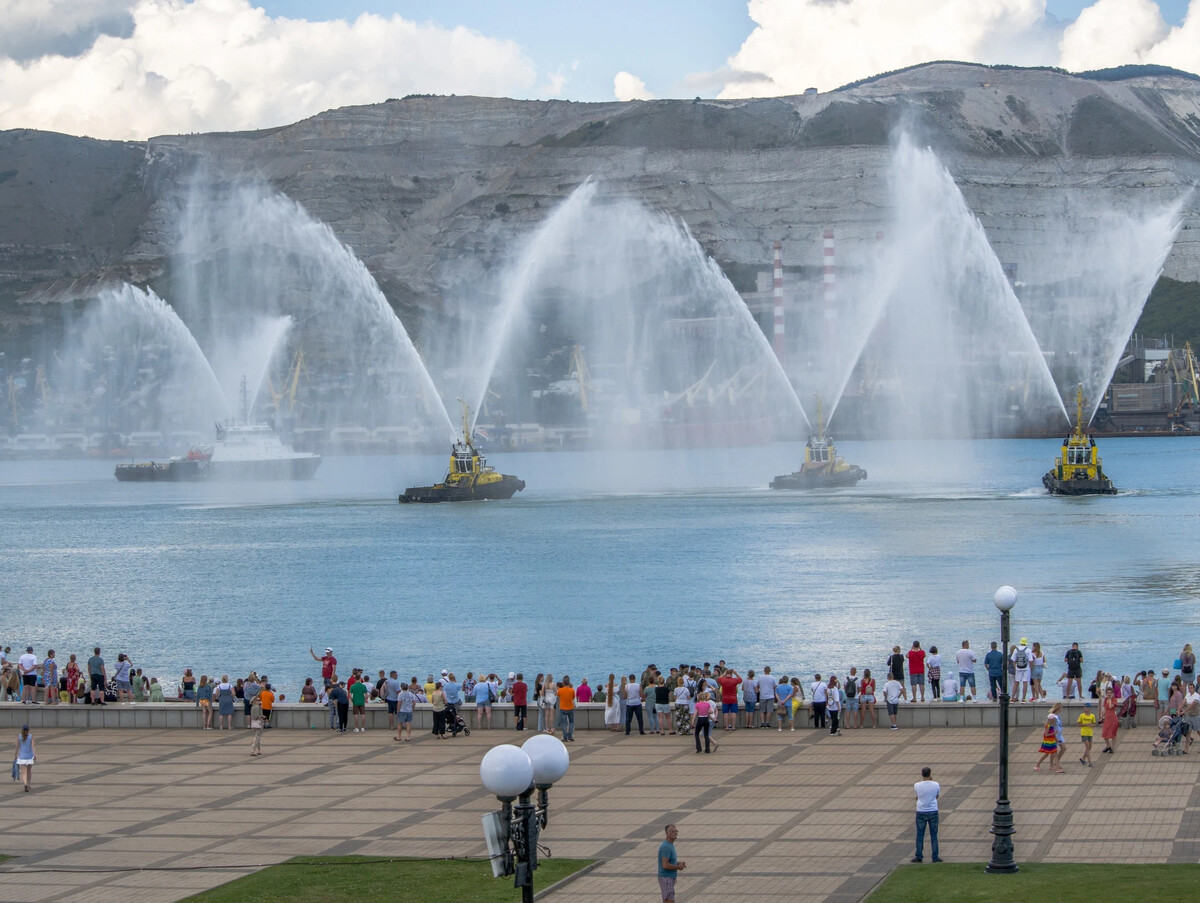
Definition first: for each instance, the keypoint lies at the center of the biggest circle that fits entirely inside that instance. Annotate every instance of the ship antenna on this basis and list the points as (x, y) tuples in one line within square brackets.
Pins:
[(820, 418), (245, 402), (466, 421), (1079, 410)]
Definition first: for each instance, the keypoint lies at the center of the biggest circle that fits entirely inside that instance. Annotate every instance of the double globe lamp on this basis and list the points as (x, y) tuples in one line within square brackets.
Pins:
[(513, 773), (1002, 860)]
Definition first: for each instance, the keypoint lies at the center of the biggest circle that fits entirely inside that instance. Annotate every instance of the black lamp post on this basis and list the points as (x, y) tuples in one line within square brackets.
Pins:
[(1002, 817), (511, 773)]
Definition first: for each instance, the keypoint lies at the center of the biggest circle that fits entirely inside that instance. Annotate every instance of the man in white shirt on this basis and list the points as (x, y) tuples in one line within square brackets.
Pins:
[(766, 696), (966, 670), (820, 696), (927, 791), (27, 664), (892, 691)]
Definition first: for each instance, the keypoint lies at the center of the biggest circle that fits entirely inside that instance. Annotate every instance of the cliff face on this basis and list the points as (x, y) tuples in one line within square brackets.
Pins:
[(430, 191)]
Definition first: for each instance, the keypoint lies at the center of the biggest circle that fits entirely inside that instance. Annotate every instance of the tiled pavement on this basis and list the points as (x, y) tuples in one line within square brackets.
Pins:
[(794, 816)]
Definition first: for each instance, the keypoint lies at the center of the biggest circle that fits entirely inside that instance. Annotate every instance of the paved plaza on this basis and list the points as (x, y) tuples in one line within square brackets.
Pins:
[(797, 816)]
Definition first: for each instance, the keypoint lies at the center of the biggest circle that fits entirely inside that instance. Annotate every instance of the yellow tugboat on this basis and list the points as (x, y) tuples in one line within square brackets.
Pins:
[(822, 468), (470, 478), (1077, 469)]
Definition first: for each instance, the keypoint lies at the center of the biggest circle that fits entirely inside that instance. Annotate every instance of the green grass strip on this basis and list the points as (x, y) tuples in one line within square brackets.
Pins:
[(947, 882), (357, 879)]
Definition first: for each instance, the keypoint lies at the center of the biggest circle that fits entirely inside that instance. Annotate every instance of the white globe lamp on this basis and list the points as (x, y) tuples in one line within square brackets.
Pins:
[(506, 771), (549, 757)]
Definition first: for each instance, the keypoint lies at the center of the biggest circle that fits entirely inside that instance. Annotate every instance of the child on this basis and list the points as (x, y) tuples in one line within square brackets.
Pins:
[(1051, 742), (1087, 721), (1164, 732)]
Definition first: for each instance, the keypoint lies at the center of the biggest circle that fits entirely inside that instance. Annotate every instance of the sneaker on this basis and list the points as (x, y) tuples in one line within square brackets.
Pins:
[(781, 730), (356, 730), (896, 728), (917, 859)]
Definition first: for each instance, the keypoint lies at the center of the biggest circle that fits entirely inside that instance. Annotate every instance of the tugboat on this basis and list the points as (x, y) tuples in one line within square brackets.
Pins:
[(1077, 469), (470, 478), (822, 468), (178, 469)]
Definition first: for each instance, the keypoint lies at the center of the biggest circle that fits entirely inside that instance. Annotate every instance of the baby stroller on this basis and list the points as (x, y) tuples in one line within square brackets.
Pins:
[(1171, 731), (455, 723)]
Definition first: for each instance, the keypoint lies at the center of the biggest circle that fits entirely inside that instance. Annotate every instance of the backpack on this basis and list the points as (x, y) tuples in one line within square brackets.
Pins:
[(492, 693), (1022, 658), (851, 688)]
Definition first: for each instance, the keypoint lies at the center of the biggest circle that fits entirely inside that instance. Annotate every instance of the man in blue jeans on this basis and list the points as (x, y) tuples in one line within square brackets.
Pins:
[(927, 791)]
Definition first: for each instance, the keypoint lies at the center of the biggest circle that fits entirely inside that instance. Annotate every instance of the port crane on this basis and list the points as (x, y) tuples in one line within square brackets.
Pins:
[(290, 385)]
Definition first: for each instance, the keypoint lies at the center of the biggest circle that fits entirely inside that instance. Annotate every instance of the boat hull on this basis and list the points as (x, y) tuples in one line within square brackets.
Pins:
[(170, 472), (802, 479), (232, 471), (1055, 486), (504, 488)]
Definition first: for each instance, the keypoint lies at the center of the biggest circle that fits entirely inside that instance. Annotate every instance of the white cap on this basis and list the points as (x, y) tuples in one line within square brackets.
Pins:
[(444, 672), (512, 674), (328, 651)]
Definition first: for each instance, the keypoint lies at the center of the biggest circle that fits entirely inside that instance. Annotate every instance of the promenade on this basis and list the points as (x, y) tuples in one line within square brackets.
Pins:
[(778, 816)]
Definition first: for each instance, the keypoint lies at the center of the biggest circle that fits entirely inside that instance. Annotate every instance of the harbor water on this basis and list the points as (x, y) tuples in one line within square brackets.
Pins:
[(606, 562)]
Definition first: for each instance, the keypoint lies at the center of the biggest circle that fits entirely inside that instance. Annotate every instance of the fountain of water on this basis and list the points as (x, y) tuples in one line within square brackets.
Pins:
[(246, 251), (147, 363), (949, 345), (1085, 289), (637, 335)]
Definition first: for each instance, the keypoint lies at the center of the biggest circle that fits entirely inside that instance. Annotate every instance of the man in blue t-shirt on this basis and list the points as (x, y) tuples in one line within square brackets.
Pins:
[(668, 865), (994, 662)]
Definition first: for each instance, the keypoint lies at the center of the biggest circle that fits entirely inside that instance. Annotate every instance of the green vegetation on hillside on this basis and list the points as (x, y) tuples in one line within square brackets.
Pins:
[(1172, 310)]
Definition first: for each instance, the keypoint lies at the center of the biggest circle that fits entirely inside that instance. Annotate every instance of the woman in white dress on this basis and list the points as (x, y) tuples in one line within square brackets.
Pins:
[(612, 706), (549, 701)]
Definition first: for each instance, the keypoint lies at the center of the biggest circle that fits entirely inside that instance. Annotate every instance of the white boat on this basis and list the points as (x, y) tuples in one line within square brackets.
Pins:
[(256, 452)]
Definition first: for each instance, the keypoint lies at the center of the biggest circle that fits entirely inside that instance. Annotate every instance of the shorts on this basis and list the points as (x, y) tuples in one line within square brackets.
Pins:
[(749, 706), (729, 708), (328, 681), (392, 703), (852, 704), (29, 680), (1022, 675), (480, 706), (893, 708), (916, 680), (1074, 672), (785, 711), (869, 698), (97, 682), (125, 686), (667, 886), (767, 706), (359, 709), (206, 703), (966, 677), (662, 708), (403, 717)]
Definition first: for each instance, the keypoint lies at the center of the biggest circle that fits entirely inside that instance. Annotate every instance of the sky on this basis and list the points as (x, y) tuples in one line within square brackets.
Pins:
[(130, 69)]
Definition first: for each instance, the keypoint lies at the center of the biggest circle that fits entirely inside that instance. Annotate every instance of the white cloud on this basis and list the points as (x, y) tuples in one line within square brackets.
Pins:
[(1112, 33), (627, 86), (223, 65), (798, 44)]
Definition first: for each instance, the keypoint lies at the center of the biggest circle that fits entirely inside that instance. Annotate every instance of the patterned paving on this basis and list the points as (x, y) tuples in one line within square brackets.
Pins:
[(794, 816)]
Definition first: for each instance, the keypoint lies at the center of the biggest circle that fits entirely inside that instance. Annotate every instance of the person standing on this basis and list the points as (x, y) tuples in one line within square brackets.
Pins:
[(339, 700), (927, 791), (1087, 724), (74, 673), (632, 694), (729, 683), (224, 693), (204, 699), (833, 705), (916, 669), (566, 708), (933, 668), (669, 865), (358, 698), (1111, 723), (994, 663), (391, 695), (896, 665), (25, 755), (267, 699), (1020, 659), (27, 666), (1187, 665), (820, 699), (406, 701), (50, 678), (97, 677), (123, 675), (484, 697), (548, 701), (1074, 660), (783, 703), (893, 691), (1051, 740), (853, 715), (750, 698), (702, 722), (520, 699), (1037, 671), (328, 665), (867, 695), (965, 657), (256, 725), (766, 697)]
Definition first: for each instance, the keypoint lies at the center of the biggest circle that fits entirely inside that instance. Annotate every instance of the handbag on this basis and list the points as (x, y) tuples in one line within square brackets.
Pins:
[(16, 771)]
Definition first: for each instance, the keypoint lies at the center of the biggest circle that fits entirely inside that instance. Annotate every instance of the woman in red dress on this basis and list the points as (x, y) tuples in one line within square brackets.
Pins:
[(1111, 723), (73, 674)]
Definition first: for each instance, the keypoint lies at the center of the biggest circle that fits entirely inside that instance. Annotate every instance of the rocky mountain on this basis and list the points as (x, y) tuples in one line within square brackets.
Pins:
[(430, 191)]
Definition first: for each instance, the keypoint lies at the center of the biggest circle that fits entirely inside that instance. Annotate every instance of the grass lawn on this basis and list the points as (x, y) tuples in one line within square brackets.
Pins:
[(360, 879), (1061, 882)]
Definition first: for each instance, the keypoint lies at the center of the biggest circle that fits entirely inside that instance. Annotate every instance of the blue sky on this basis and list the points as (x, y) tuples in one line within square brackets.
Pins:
[(136, 68)]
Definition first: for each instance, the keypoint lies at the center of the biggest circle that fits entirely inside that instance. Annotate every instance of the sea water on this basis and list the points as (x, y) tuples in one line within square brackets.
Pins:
[(606, 562)]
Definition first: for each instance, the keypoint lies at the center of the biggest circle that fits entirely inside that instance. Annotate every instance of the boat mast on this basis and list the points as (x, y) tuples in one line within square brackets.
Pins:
[(245, 403), (1079, 412)]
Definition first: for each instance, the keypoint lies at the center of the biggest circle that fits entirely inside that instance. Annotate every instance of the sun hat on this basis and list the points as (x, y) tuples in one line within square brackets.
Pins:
[(1024, 642)]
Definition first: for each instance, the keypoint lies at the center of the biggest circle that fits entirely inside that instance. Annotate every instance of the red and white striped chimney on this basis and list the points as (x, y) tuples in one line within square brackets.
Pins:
[(778, 338), (830, 289)]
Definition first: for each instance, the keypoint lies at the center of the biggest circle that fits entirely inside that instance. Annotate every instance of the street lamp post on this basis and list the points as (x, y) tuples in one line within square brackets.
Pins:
[(1002, 817), (514, 773)]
